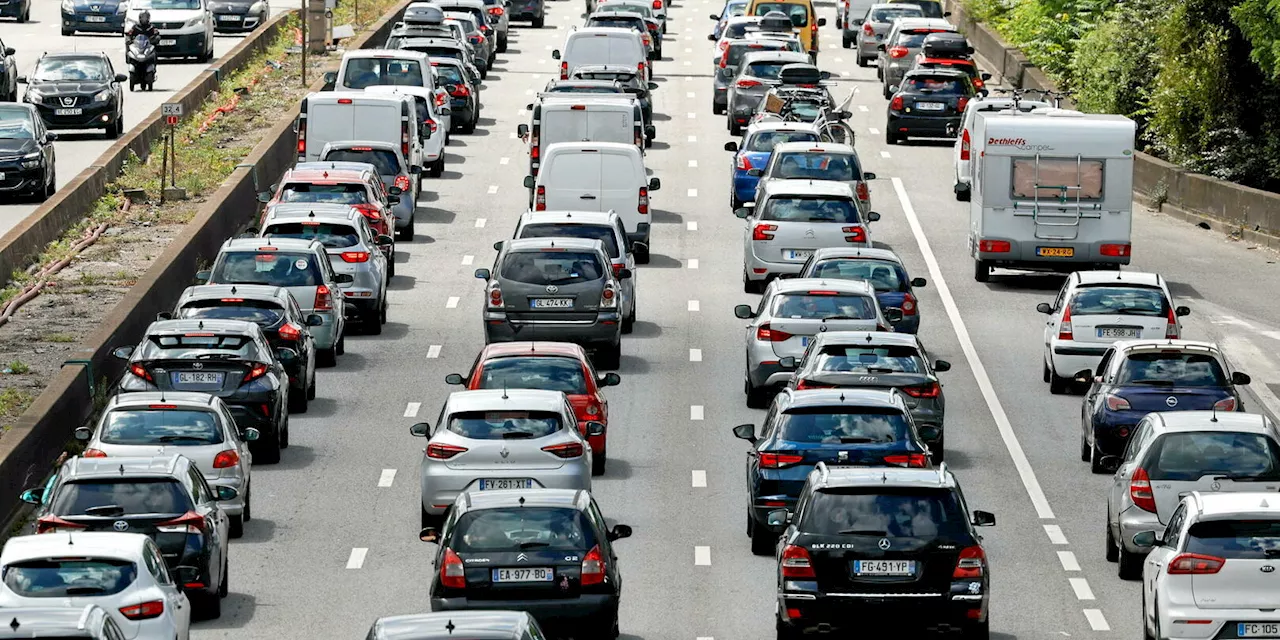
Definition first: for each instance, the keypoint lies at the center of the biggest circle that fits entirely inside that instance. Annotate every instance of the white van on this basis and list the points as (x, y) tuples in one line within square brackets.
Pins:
[(331, 116), (433, 124), (367, 67), (604, 45), (598, 176), (582, 118), (1052, 191), (185, 26)]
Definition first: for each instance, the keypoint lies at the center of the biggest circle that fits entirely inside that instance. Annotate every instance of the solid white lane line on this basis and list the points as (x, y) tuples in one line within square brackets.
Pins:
[(503, 160), (1097, 621), (480, 223), (433, 351), (873, 131), (1068, 561), (693, 225), (466, 260), (694, 305), (702, 556), (693, 263), (863, 108), (884, 154), (693, 193), (704, 638), (388, 476), (493, 188), (1055, 534), (693, 164), (411, 409), (1020, 462), (693, 138), (695, 355), (1081, 587), (356, 560), (451, 303), (695, 412)]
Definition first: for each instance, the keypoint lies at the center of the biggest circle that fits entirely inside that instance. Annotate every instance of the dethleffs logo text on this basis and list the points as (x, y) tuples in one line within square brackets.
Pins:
[(1018, 143)]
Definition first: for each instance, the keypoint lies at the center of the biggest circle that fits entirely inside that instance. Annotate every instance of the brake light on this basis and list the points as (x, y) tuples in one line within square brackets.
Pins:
[(1171, 328), (540, 199), (795, 563), (460, 91), (657, 4), (908, 305), (642, 203), (761, 231), (1064, 327), (814, 28), (369, 211), (302, 136), (765, 333), (564, 70), (897, 52), (962, 103), (608, 298), (647, 41), (856, 234), (593, 564), (495, 297), (440, 99), (994, 246), (1116, 403), (930, 390), (476, 39), (189, 522), (1195, 564), (965, 141), (402, 182), (496, 11), (566, 450), (743, 162), (431, 124), (809, 384), (138, 370), (256, 372), (779, 460), (452, 574), (404, 138), (913, 460), (724, 59), (324, 299), (970, 565), (1140, 490), (143, 610), (289, 331), (226, 459), (437, 451), (93, 453), (896, 104), (1116, 250), (1225, 404), (344, 101), (863, 192), (866, 28), (50, 524), (355, 256), (747, 83)]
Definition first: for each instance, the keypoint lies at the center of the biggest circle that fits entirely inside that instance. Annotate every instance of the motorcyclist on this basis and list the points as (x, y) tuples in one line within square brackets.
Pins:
[(143, 27)]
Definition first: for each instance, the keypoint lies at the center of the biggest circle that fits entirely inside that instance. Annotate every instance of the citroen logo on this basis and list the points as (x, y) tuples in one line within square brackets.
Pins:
[(808, 233), (120, 525), (1266, 568), (884, 544), (504, 452), (1171, 401), (68, 101), (551, 288), (197, 365), (522, 558)]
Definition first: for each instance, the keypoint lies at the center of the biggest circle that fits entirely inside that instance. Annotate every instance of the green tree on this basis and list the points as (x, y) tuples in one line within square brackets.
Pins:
[(1259, 21)]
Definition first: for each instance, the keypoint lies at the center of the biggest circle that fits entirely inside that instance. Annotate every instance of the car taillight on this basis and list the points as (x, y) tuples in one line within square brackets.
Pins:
[(189, 522), (962, 103), (896, 104), (994, 246), (431, 124), (226, 459), (908, 305), (404, 138), (1195, 564), (814, 28), (1116, 403), (564, 70), (897, 52), (863, 191), (779, 460), (608, 298), (141, 372), (592, 410), (765, 333), (143, 610), (440, 99), (795, 563), (866, 28), (460, 91), (642, 203), (743, 162), (809, 384), (495, 297), (496, 11), (746, 83), (453, 575), (93, 453), (761, 231), (657, 4), (324, 299), (914, 460), (402, 183), (566, 450), (617, 268), (724, 44), (1116, 250), (970, 565), (724, 59), (302, 137), (1171, 326), (930, 390), (1140, 490), (50, 524), (476, 39), (355, 256), (856, 234), (1064, 327), (1225, 404), (647, 41), (965, 141), (290, 332), (593, 565), (540, 199), (369, 211), (256, 372), (437, 451)]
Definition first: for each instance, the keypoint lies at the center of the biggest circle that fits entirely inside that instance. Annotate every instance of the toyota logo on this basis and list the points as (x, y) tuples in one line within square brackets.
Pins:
[(884, 544), (551, 288), (1266, 568), (69, 101), (120, 525), (1171, 401)]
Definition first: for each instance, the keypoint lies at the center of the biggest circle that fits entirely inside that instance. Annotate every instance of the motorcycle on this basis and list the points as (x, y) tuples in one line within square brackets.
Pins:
[(141, 57)]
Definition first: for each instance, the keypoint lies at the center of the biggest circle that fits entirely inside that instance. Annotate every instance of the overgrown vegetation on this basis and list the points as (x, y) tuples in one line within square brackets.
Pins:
[(1201, 77)]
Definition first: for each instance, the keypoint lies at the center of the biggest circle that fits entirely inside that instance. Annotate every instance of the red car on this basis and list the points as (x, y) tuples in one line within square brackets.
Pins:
[(552, 366)]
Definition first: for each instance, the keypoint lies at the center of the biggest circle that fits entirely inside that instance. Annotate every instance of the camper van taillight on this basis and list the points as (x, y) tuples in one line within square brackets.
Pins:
[(642, 204), (1115, 250), (302, 136), (994, 246), (965, 141)]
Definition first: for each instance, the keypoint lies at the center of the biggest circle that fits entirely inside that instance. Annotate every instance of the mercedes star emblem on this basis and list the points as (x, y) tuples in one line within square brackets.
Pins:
[(1266, 568), (551, 288), (1171, 401), (120, 525), (522, 558), (1215, 486), (884, 544)]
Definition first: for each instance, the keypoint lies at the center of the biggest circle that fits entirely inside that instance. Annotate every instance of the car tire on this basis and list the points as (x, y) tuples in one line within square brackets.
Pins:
[(298, 401), (341, 347), (429, 520), (1084, 448), (981, 270), (847, 43), (311, 388), (267, 450), (610, 357), (206, 606), (66, 32), (642, 256), (962, 195), (391, 265), (757, 397), (248, 505), (891, 138), (885, 91), (1045, 370), (734, 128), (763, 541), (978, 630), (225, 587), (734, 202), (538, 22), (235, 528), (502, 45), (284, 433), (629, 322), (839, 23), (1113, 550), (1128, 565), (115, 129), (437, 167), (939, 448), (717, 109), (598, 462), (785, 632), (1058, 385), (326, 358), (1095, 457), (373, 324), (862, 62), (751, 286)]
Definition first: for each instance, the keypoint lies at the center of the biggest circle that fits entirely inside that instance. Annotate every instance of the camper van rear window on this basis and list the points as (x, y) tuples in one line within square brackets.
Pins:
[(1057, 179)]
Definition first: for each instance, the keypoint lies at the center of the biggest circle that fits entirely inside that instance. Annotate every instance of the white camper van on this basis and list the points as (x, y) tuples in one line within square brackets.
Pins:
[(1052, 191), (330, 116)]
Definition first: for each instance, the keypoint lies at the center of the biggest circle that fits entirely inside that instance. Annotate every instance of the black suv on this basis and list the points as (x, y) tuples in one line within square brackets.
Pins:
[(874, 543), (545, 551), (77, 91)]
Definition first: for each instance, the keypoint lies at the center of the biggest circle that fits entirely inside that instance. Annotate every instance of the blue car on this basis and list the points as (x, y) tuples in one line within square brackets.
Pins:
[(752, 154), (96, 16), (865, 427), (895, 289), (732, 9), (1137, 377)]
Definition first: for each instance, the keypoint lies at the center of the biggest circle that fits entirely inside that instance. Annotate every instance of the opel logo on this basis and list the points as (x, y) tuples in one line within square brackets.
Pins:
[(522, 558), (551, 288), (197, 365), (1171, 401), (1215, 486), (69, 101), (120, 525), (1266, 568), (884, 544), (843, 456)]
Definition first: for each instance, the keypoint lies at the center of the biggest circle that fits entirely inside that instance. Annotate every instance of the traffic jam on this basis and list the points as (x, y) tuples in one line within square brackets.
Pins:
[(837, 506)]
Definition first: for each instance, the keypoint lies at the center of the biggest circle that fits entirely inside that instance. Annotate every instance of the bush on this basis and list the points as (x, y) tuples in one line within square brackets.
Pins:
[(1116, 63)]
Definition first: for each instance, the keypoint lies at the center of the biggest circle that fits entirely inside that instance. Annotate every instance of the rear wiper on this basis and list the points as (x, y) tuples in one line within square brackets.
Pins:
[(864, 532), (531, 545), (516, 435), (1261, 477), (105, 511), (177, 438), (1271, 553), (842, 318), (881, 370), (1134, 311), (84, 591)]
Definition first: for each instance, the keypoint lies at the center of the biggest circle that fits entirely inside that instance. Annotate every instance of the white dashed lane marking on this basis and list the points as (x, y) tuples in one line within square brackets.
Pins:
[(493, 188), (702, 556), (695, 412), (863, 108), (356, 560), (693, 138), (480, 223), (693, 305), (1068, 561), (466, 260), (1055, 534), (884, 154), (388, 476), (873, 131), (691, 115), (1081, 587), (693, 164), (433, 351), (693, 263), (693, 193), (411, 410), (695, 355), (699, 478), (693, 225), (1097, 621), (451, 303), (503, 160)]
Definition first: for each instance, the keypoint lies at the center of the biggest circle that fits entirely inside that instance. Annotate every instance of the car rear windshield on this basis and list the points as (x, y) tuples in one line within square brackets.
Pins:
[(935, 86), (882, 275), (580, 88), (889, 14), (449, 74), (817, 165), (386, 162), (810, 209), (618, 21), (367, 72), (739, 49), (331, 235), (627, 78), (803, 306), (836, 425), (931, 8), (264, 313), (69, 577), (1173, 368), (767, 140), (869, 359), (534, 372), (798, 13), (164, 427), (135, 496), (1236, 539), (1123, 301), (552, 267), (197, 345), (276, 268), (629, 7), (344, 193), (914, 38), (886, 512), (1192, 455), (767, 69), (435, 51), (737, 30), (522, 528), (504, 425), (568, 230)]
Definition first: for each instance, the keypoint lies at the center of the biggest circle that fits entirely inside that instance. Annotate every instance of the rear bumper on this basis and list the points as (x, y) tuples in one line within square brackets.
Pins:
[(1022, 254), (604, 331), (758, 269), (1133, 521), (1111, 430), (744, 186), (185, 44), (228, 22), (1222, 626), (585, 607), (928, 126), (837, 612)]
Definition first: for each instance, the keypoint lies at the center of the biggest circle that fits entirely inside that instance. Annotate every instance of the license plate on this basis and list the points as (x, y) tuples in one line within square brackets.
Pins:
[(505, 483), (199, 378), (1055, 252), (1, 175), (1118, 332), (524, 574), (167, 43), (798, 254), (95, 18), (930, 106), (229, 18), (551, 303), (804, 341), (68, 112), (884, 567), (1258, 629)]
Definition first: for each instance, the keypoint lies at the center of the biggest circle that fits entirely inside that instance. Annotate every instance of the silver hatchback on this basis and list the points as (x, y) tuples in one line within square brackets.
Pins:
[(502, 439), (757, 73), (897, 53), (820, 161), (873, 27)]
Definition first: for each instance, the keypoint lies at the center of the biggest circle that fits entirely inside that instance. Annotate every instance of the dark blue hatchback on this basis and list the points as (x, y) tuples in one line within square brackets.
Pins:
[(861, 427), (895, 289), (97, 16)]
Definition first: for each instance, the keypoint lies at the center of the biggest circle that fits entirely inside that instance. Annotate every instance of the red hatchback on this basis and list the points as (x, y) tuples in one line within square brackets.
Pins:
[(552, 366), (965, 64)]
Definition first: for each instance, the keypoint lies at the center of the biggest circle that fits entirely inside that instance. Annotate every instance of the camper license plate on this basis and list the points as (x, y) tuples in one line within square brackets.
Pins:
[(505, 483), (1055, 252), (524, 574), (229, 18), (930, 106), (884, 567), (95, 18), (198, 378), (68, 112), (168, 43), (1118, 332), (1258, 629), (799, 254), (551, 303)]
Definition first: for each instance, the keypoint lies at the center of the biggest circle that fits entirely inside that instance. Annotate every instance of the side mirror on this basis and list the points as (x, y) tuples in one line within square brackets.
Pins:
[(595, 429), (893, 88), (929, 433), (941, 366), (51, 136), (420, 430), (164, 315), (32, 496), (482, 274), (983, 519), (22, 79), (894, 316), (555, 55), (778, 518), (946, 14), (746, 432), (122, 352), (755, 173), (343, 278), (454, 378), (866, 175), (8, 51), (879, 47), (822, 22), (715, 17), (652, 86), (529, 182), (1147, 539), (1182, 311), (788, 363), (183, 575), (384, 241), (264, 196), (618, 532), (203, 276), (873, 217), (624, 274), (986, 76), (731, 146), (918, 282), (1240, 377), (654, 183), (315, 320), (1086, 376), (1045, 308), (1110, 463), (742, 212), (429, 535), (120, 77), (744, 311), (650, 131), (825, 75), (251, 434), (710, 36), (393, 199), (83, 434), (522, 130), (226, 493), (330, 77), (640, 247), (497, 246), (609, 380)]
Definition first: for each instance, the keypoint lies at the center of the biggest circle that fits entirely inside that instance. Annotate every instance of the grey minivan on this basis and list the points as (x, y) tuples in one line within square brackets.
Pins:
[(560, 289)]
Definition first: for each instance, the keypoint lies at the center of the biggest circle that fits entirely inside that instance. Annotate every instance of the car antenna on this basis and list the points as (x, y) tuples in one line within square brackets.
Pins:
[(122, 469), (200, 325), (521, 501), (841, 396), (504, 390), (868, 337), (884, 478), (449, 627), (233, 289), (1215, 414)]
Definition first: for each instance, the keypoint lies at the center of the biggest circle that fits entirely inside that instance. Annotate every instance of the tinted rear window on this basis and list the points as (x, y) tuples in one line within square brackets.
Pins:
[(450, 74), (801, 306), (1125, 301), (590, 232), (331, 235), (936, 86), (889, 14), (164, 427), (366, 72), (552, 267), (197, 345), (882, 275), (534, 372), (277, 268), (520, 528), (817, 165), (869, 359), (767, 70), (915, 37), (69, 577), (887, 513), (571, 88), (826, 425), (386, 161), (798, 13), (931, 9), (1178, 369), (261, 312), (739, 49), (504, 425), (805, 209), (636, 24), (767, 140), (135, 496), (1236, 539), (349, 193), (737, 30), (1193, 455)]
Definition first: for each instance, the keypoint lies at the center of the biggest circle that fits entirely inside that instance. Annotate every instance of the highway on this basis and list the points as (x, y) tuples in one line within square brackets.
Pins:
[(333, 544), (76, 150)]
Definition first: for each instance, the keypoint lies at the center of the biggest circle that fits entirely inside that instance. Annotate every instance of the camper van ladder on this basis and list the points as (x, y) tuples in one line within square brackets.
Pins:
[(1061, 220)]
